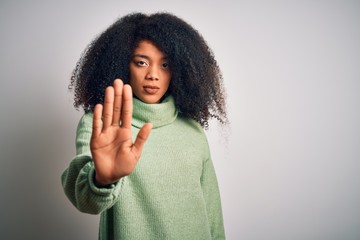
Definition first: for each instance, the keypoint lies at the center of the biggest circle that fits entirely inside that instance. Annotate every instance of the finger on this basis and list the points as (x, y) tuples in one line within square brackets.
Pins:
[(108, 106), (118, 88), (97, 123), (127, 107), (141, 139)]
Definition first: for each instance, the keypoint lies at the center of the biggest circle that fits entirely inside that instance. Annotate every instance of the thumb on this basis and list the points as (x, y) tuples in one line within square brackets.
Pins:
[(141, 139)]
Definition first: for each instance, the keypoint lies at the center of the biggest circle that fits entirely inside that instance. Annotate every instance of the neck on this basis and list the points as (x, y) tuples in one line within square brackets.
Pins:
[(159, 114)]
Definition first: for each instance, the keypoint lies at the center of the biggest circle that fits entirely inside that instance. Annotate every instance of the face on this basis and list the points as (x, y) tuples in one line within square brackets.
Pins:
[(149, 72)]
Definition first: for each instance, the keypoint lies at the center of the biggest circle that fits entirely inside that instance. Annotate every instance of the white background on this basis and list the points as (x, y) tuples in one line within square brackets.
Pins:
[(288, 166)]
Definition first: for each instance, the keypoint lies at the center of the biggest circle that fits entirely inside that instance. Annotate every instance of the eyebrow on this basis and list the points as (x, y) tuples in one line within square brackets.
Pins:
[(145, 56), (141, 55)]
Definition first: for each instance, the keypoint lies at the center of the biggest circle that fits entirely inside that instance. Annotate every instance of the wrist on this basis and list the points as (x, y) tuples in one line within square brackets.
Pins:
[(99, 183)]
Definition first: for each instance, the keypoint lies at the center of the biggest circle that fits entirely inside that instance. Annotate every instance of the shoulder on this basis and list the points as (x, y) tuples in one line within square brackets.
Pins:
[(188, 123), (193, 136), (192, 124), (191, 129), (85, 122), (86, 119)]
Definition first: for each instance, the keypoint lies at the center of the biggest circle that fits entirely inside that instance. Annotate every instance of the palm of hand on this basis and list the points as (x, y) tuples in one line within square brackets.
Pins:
[(113, 151)]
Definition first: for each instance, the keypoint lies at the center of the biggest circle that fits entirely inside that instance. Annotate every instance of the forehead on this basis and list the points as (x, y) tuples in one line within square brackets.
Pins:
[(148, 48)]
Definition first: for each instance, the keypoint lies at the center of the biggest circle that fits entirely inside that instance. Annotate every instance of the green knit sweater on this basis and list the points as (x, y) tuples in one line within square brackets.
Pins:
[(171, 194)]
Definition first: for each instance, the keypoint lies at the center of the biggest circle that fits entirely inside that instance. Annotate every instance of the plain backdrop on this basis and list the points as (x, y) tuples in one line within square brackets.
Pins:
[(288, 165)]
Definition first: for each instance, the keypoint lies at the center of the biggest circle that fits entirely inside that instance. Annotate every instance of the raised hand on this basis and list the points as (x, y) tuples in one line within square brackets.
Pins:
[(113, 151)]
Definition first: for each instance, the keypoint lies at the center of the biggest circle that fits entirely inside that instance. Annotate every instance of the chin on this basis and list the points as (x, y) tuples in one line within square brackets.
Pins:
[(150, 100)]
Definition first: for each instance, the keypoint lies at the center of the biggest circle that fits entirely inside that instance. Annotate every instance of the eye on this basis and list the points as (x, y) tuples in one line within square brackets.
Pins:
[(165, 65), (141, 63)]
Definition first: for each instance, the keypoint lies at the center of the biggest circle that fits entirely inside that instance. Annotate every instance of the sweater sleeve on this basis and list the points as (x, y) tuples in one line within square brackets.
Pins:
[(78, 178), (213, 202)]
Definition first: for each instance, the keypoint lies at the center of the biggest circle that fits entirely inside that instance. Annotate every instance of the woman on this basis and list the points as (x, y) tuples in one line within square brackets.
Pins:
[(142, 159)]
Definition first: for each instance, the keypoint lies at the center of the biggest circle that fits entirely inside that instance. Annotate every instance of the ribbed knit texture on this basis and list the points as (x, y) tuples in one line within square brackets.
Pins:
[(171, 194)]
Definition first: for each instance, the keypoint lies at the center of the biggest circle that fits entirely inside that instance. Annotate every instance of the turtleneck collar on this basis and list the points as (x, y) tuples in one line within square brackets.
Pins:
[(159, 114)]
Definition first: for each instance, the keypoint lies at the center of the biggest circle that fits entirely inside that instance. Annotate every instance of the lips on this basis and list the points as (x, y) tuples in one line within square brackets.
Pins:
[(151, 89)]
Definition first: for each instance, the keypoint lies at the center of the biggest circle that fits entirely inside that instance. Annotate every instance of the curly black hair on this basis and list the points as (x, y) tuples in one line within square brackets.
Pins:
[(196, 80)]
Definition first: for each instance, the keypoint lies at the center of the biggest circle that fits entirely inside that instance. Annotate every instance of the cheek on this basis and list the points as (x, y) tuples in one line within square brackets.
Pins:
[(167, 85), (137, 74), (133, 77), (167, 76)]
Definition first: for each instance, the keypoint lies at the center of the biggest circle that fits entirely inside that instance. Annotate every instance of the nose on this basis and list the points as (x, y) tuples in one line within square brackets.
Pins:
[(153, 73)]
